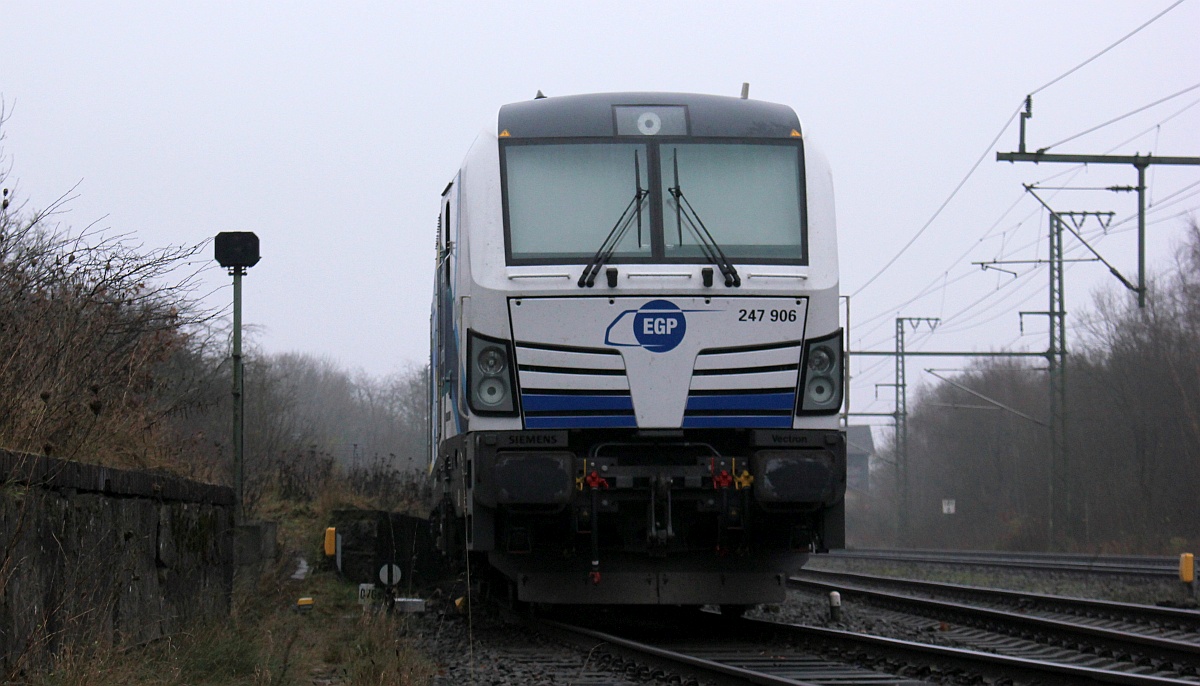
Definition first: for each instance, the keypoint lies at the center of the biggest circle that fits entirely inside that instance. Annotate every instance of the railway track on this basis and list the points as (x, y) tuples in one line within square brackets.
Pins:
[(1177, 624), (1114, 637), (703, 648), (1154, 566), (711, 652), (904, 632)]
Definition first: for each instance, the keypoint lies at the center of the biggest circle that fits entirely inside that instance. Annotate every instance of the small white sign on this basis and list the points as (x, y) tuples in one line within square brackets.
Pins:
[(389, 575), (368, 594), (948, 506)]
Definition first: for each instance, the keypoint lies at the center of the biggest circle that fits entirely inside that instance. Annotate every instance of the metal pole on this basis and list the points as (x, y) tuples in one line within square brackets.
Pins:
[(1066, 511), (901, 435), (238, 416), (902, 419), (1052, 358), (846, 370), (236, 251), (1138, 161), (1141, 191)]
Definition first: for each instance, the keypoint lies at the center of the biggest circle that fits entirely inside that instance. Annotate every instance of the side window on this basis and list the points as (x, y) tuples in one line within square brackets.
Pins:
[(448, 350)]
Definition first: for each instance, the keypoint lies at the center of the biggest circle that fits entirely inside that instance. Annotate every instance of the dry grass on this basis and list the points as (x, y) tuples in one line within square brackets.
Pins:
[(301, 522), (267, 643)]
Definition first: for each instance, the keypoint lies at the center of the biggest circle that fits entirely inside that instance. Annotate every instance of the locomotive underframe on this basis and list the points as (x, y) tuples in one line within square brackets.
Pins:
[(645, 517)]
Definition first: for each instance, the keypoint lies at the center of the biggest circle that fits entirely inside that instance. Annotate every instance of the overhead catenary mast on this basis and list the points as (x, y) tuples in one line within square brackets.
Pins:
[(1140, 162)]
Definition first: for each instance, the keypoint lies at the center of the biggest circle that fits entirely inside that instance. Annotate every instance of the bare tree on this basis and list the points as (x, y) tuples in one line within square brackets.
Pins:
[(1133, 434)]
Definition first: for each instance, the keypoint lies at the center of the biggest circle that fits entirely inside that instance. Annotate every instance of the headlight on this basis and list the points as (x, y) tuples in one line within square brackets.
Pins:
[(820, 359), (820, 390), (491, 392), (492, 360), (489, 376), (822, 381)]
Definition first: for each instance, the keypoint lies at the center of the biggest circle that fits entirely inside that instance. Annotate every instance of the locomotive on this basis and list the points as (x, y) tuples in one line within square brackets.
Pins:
[(636, 361)]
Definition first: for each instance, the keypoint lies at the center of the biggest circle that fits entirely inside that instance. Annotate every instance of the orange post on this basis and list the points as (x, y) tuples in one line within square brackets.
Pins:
[(330, 542)]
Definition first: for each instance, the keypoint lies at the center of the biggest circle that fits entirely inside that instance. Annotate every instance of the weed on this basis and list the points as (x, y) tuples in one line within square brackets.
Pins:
[(267, 643), (382, 658)]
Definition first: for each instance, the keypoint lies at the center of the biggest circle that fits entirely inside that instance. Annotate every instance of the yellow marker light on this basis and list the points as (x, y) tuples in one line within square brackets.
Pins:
[(330, 542), (504, 133), (796, 134), (1187, 568)]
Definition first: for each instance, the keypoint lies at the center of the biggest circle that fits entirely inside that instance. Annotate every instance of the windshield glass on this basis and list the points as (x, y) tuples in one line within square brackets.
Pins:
[(747, 196), (562, 200)]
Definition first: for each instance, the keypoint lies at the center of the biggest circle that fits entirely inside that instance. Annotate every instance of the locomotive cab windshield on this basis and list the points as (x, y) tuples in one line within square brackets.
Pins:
[(561, 200)]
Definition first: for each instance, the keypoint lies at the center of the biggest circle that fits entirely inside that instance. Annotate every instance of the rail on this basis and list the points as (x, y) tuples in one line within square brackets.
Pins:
[(1074, 562)]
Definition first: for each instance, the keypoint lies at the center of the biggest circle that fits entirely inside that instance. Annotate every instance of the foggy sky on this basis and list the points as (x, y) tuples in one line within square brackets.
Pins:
[(329, 130)]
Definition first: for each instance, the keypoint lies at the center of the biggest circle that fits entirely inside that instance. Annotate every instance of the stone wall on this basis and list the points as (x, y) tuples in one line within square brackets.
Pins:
[(97, 556)]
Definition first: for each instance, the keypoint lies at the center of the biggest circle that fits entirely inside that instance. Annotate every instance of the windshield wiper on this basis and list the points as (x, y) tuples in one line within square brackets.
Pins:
[(592, 269), (685, 214)]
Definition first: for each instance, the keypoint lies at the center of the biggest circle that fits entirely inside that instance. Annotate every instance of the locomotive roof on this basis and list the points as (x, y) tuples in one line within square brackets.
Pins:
[(593, 115)]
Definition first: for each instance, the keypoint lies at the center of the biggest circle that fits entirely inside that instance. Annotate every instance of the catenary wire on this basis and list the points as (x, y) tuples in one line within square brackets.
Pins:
[(941, 207), (1143, 108), (873, 367), (1074, 171), (1093, 58), (1009, 122)]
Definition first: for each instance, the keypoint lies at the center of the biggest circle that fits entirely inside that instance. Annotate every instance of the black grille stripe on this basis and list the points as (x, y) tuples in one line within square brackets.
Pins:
[(753, 348), (746, 370), (568, 348), (571, 370)]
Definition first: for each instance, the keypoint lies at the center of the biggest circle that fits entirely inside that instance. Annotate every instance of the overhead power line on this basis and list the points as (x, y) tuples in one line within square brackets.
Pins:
[(1093, 58), (1018, 286), (1008, 123), (941, 207), (1143, 108)]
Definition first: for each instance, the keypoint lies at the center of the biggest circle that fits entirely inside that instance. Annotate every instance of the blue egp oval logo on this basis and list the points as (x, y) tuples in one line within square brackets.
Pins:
[(659, 326)]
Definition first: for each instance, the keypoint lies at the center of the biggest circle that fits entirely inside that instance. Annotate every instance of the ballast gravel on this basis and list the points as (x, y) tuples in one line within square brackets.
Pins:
[(489, 647)]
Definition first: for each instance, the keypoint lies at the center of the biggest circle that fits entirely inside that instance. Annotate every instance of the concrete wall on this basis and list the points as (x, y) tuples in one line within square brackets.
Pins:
[(105, 556)]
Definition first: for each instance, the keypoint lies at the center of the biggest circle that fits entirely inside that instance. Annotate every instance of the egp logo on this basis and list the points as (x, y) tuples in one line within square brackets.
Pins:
[(658, 326)]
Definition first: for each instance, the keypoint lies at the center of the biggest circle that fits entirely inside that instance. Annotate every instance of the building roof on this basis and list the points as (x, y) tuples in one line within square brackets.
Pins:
[(859, 440)]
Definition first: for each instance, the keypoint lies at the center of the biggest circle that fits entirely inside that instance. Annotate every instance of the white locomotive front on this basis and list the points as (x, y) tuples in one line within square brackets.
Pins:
[(636, 361)]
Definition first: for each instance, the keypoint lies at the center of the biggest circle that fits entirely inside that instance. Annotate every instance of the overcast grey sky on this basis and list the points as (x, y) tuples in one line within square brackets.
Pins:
[(329, 129)]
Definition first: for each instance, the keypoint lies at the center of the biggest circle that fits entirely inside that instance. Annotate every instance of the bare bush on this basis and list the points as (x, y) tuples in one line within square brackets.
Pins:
[(107, 356), (383, 482), (88, 322)]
